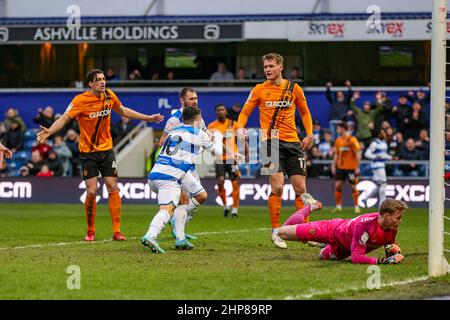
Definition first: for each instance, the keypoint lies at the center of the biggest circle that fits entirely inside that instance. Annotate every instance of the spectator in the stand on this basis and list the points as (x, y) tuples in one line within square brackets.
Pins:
[(155, 76), (121, 128), (400, 142), (154, 154), (384, 106), (339, 106), (12, 114), (400, 112), (420, 97), (170, 75), (72, 143), (391, 140), (423, 144), (415, 121), (222, 73), (45, 117), (317, 132), (64, 154), (135, 75), (111, 74), (234, 111), (241, 74), (385, 125), (325, 146), (295, 74), (5, 171), (35, 163), (24, 171), (14, 137), (409, 152), (43, 148), (365, 118), (351, 127), (54, 164), (45, 172), (2, 132), (322, 151)]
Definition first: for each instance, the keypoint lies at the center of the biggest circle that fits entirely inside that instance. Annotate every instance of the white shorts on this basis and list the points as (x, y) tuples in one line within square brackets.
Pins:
[(168, 191), (379, 175), (191, 184)]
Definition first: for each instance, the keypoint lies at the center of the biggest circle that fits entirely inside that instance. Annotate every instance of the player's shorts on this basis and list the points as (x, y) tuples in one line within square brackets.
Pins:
[(168, 191), (93, 163), (191, 184), (290, 157), (232, 170), (379, 175), (346, 174), (323, 232)]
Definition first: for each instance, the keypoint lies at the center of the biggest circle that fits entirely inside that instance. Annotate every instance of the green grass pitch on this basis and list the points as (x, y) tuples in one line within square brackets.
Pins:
[(233, 259)]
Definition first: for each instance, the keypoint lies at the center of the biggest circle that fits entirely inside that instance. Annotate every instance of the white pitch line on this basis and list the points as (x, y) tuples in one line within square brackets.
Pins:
[(60, 244), (314, 293)]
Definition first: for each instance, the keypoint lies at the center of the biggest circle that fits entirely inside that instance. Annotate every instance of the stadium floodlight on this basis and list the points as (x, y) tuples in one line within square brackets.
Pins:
[(437, 264)]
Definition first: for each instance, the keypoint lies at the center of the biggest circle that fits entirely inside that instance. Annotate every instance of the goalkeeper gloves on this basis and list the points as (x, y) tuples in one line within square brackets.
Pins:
[(391, 249), (393, 259)]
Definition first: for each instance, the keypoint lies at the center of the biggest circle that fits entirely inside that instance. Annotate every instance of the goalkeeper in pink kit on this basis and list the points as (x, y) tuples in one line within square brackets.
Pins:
[(349, 237)]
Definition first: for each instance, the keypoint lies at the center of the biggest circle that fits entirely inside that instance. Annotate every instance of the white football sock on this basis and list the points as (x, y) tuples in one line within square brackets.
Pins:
[(193, 204), (275, 230), (382, 193), (180, 220), (158, 223), (234, 211)]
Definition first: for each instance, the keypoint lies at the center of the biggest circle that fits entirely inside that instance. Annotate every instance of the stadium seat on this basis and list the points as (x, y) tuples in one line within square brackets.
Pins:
[(29, 144), (30, 135)]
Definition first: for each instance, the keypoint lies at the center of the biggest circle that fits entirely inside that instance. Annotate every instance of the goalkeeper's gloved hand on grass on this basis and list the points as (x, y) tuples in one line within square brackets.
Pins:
[(393, 259), (391, 249)]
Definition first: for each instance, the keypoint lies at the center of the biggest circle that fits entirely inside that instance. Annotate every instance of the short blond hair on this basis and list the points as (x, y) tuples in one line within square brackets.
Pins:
[(392, 205), (273, 56)]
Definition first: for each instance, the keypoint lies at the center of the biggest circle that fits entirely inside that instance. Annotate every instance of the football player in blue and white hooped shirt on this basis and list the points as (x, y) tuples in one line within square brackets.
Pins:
[(378, 153), (172, 174), (188, 98)]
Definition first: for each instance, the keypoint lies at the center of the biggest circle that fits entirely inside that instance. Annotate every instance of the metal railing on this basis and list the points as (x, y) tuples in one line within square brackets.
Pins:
[(133, 133)]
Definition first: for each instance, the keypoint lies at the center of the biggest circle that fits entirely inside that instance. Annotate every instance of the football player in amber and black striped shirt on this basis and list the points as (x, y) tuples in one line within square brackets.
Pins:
[(93, 110)]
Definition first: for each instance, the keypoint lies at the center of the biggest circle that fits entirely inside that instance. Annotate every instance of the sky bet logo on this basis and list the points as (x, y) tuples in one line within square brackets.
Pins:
[(336, 30), (394, 29)]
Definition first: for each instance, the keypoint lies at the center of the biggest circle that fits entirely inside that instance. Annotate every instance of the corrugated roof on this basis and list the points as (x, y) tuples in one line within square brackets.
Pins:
[(210, 18)]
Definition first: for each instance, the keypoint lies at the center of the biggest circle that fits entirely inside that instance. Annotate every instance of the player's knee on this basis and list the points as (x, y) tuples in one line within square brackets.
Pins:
[(112, 188), (91, 192), (277, 190), (184, 198), (201, 197)]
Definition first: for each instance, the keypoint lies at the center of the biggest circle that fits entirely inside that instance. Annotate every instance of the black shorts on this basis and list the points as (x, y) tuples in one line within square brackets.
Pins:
[(231, 169), (289, 158), (94, 162), (346, 174)]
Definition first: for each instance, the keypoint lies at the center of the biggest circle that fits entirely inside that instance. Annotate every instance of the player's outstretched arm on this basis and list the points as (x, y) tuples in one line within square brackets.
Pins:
[(130, 113), (45, 133)]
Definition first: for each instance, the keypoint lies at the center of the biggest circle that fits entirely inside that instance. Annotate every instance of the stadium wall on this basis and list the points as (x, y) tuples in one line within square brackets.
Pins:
[(252, 191), (150, 101)]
